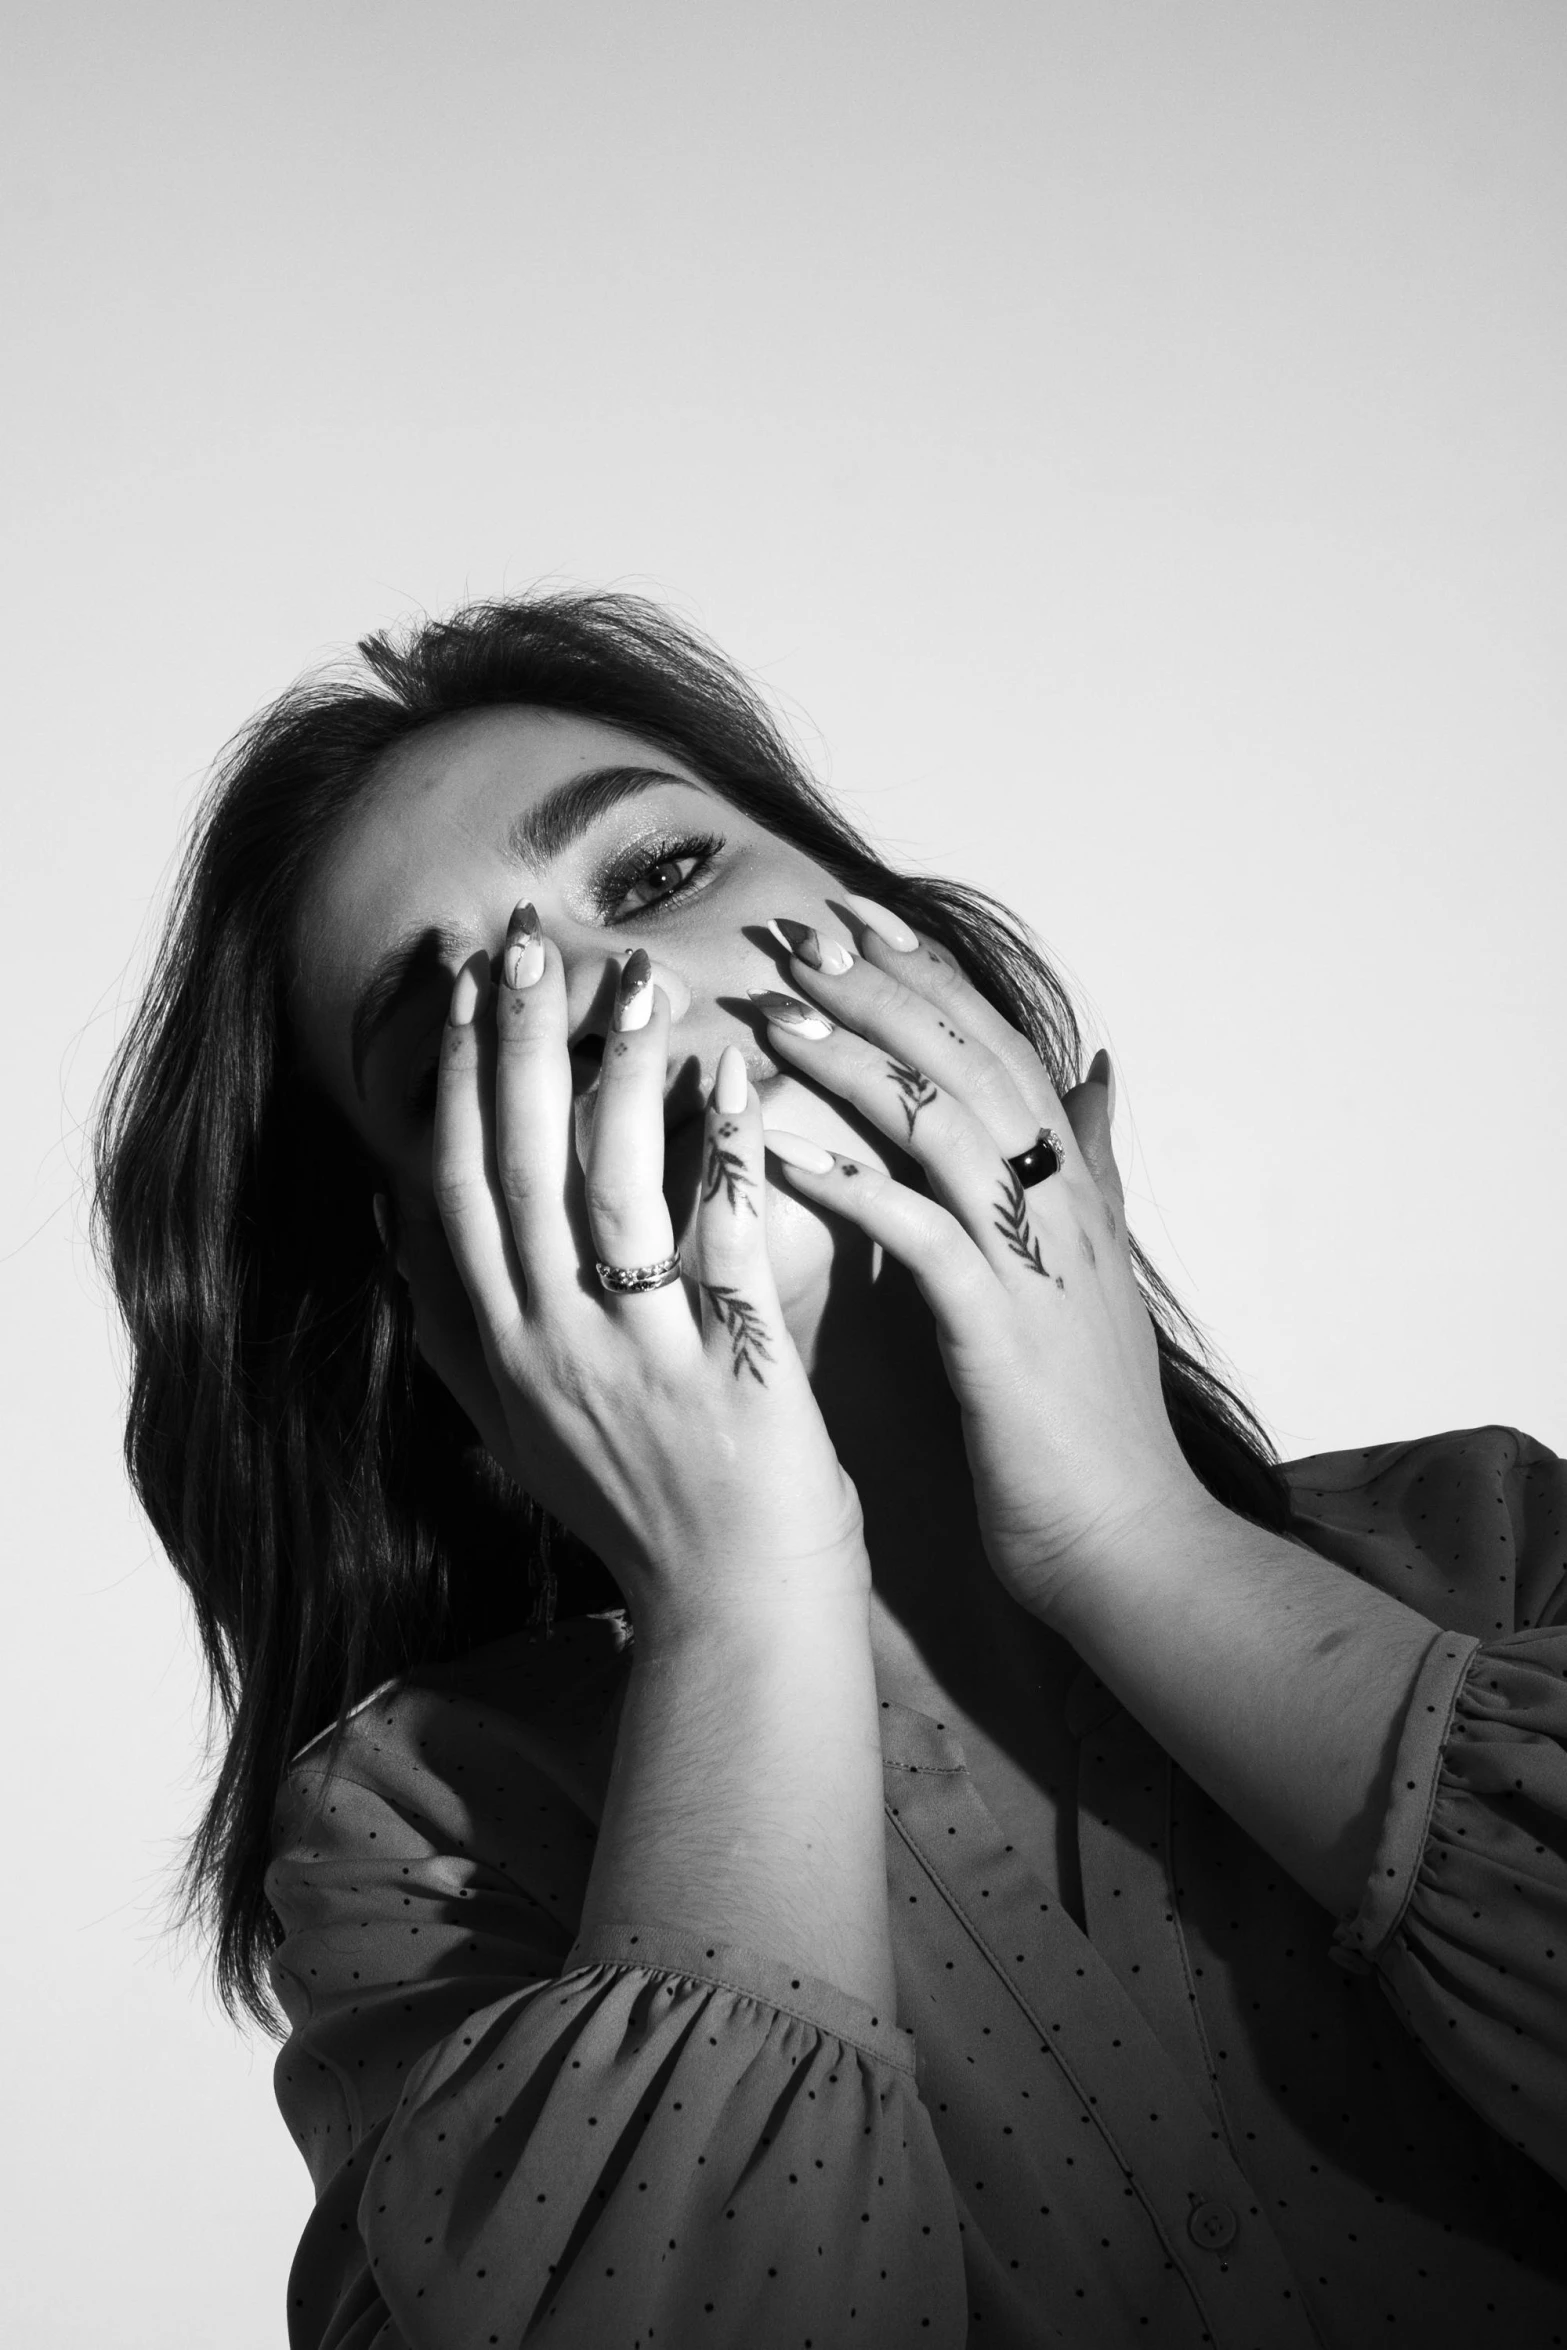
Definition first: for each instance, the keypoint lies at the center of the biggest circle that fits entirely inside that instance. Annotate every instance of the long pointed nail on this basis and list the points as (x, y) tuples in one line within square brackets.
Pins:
[(381, 1209), (465, 993), (634, 995), (787, 1011), (797, 1150), (523, 962), (731, 1085), (822, 954), (887, 927), (1100, 1072)]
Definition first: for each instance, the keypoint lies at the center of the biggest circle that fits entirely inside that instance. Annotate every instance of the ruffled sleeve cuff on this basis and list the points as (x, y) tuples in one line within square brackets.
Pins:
[(729, 1966), (1362, 1937)]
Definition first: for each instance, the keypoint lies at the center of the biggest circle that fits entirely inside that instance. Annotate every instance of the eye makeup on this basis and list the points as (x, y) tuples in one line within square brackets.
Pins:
[(640, 858)]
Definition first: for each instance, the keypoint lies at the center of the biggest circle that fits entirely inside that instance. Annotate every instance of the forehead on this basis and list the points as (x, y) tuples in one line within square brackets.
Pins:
[(425, 841), (439, 808), (462, 782)]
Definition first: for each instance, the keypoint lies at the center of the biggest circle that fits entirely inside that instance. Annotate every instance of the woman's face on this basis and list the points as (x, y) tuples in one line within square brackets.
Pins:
[(619, 846)]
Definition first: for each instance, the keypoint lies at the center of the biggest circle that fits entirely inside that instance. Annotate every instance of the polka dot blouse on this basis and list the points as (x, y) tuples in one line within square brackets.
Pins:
[(1194, 2114)]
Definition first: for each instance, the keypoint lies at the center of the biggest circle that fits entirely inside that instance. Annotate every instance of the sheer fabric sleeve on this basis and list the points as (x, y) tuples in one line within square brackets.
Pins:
[(1465, 1913), (654, 2140)]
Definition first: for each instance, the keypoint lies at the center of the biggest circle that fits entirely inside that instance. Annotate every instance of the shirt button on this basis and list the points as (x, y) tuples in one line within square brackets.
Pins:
[(1212, 2225)]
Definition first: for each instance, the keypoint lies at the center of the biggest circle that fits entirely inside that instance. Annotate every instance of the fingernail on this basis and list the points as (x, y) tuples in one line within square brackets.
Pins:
[(523, 961), (887, 927), (796, 1151), (1100, 1072), (822, 954), (381, 1209), (731, 1083), (787, 1011), (465, 996), (634, 995)]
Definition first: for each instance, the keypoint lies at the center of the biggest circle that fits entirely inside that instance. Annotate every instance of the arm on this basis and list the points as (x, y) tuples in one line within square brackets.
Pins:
[(1273, 1677), (1278, 1681), (626, 2142), (687, 1448), (502, 2129), (1401, 1771), (745, 1801)]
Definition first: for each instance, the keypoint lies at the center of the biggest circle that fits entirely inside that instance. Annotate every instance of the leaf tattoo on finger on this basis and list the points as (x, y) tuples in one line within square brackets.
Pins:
[(727, 1171), (1013, 1226), (748, 1347), (914, 1088)]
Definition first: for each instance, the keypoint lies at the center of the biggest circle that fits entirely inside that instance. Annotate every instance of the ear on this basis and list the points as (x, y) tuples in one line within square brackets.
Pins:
[(1089, 1108)]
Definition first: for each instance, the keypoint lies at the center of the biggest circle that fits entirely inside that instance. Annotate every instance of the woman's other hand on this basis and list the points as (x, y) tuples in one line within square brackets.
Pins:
[(1273, 1677), (1045, 1337), (673, 1430)]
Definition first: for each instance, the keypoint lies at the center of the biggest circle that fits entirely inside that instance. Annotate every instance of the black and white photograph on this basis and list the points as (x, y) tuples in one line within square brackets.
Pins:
[(784, 1239)]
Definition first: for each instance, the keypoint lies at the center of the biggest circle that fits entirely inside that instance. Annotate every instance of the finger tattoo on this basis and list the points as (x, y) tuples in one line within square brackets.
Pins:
[(1013, 1226), (914, 1087), (748, 1347), (726, 1171)]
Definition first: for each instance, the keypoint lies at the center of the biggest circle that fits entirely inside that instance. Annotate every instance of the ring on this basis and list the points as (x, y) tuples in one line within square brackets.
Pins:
[(626, 1280), (1042, 1158)]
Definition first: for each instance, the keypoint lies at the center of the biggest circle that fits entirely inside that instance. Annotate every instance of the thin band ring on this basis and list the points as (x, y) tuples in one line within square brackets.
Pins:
[(1041, 1159), (630, 1280)]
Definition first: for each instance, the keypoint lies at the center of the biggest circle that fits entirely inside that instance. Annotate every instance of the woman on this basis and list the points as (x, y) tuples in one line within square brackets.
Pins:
[(793, 1756)]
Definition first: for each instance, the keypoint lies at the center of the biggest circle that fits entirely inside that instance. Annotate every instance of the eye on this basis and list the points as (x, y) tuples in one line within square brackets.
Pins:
[(663, 877), (654, 874)]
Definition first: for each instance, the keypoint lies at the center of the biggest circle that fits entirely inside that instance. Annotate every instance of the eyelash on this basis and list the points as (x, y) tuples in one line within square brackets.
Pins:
[(613, 883), (611, 888)]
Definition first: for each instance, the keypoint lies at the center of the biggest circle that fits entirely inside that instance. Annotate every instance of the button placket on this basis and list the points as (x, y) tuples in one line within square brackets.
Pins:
[(1123, 1839), (1170, 2151)]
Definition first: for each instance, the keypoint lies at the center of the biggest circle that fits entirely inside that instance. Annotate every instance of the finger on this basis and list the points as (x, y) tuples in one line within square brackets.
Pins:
[(877, 1005), (625, 1161), (951, 1272), (467, 1197), (741, 1317), (966, 1169), (1089, 1108), (535, 1153), (933, 971)]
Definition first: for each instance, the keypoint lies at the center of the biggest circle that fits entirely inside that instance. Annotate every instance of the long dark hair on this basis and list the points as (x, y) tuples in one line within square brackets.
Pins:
[(323, 1500)]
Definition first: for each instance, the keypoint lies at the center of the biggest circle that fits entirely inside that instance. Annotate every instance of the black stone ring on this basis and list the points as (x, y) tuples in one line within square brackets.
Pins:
[(1042, 1158)]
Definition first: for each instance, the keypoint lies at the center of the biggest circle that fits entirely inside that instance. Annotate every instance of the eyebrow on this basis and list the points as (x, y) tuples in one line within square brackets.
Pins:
[(539, 836), (552, 825)]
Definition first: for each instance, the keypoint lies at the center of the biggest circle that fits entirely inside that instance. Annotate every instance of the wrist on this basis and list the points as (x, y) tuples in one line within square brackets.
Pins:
[(1146, 1546), (745, 1616)]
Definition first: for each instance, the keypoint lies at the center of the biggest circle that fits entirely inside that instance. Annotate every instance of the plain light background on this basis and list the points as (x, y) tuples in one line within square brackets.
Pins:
[(1126, 438)]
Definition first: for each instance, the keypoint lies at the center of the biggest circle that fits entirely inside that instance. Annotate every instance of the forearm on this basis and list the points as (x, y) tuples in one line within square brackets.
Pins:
[(745, 1800), (1275, 1679)]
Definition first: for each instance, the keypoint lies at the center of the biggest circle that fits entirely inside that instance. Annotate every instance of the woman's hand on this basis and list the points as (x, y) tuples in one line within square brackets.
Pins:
[(674, 1430), (1274, 1678), (1044, 1334)]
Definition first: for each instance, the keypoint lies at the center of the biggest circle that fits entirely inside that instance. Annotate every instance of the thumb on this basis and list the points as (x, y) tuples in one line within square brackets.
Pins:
[(1089, 1108)]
